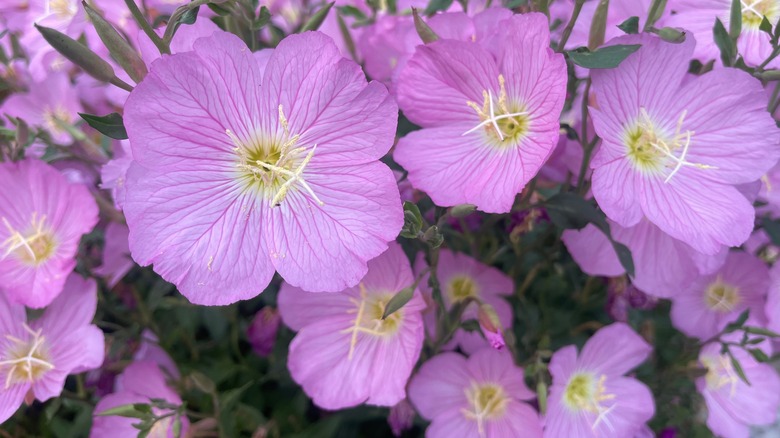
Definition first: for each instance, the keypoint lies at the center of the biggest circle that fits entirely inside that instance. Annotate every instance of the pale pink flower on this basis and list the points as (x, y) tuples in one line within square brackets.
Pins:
[(116, 254)]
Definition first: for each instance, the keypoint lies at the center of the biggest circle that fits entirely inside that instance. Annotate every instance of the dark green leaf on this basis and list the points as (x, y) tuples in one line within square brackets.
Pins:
[(437, 5), (738, 323), (761, 331), (738, 368), (398, 301), (352, 11), (605, 57), (728, 49), (128, 411), (772, 229), (412, 221), (218, 9), (630, 26), (316, 20), (758, 354), (190, 16), (142, 407), (427, 35), (110, 125), (765, 26), (262, 19)]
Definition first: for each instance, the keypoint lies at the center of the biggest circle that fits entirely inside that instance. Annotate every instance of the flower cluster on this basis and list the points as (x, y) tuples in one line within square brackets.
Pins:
[(537, 218)]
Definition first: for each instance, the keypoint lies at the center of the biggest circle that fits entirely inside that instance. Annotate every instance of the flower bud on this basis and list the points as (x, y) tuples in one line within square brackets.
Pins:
[(119, 48), (463, 210), (401, 417), (491, 326), (672, 35), (262, 331)]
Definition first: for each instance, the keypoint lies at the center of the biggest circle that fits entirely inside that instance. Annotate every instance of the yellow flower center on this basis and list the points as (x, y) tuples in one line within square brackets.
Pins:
[(368, 320), (722, 297), (504, 122), (26, 360), (585, 393), (32, 247), (273, 167), (461, 287), (754, 11), (63, 9), (720, 373), (487, 401), (56, 119)]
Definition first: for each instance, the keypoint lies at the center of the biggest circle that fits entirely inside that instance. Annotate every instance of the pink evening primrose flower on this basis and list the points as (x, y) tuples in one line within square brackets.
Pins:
[(772, 310), (42, 219), (698, 17), (734, 405), (116, 254), (705, 307), (140, 382), (462, 277), (344, 353), (236, 173), (38, 355), (489, 111), (482, 396), (662, 264), (668, 151), (590, 394)]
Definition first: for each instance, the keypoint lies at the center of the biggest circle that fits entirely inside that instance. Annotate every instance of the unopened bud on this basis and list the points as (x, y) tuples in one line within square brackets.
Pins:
[(462, 210), (672, 35), (262, 331), (119, 48), (491, 326), (401, 417), (433, 237)]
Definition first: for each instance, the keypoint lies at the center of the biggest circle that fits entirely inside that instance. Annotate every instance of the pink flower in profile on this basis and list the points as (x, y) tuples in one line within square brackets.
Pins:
[(116, 254), (344, 353), (462, 277), (489, 111), (698, 17), (36, 356), (590, 394), (51, 104), (482, 396), (662, 264), (734, 405), (668, 151), (140, 382), (704, 308), (42, 219), (236, 173)]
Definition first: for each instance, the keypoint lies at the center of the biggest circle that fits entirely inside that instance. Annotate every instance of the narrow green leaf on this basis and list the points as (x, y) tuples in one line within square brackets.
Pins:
[(128, 411), (318, 18), (728, 50), (398, 301), (78, 54), (143, 408), (190, 16), (738, 368), (262, 19), (758, 354), (735, 19), (630, 26), (761, 331), (765, 26), (738, 323), (347, 36), (219, 9), (124, 54), (110, 125), (437, 5), (605, 57), (352, 12), (427, 35), (598, 25)]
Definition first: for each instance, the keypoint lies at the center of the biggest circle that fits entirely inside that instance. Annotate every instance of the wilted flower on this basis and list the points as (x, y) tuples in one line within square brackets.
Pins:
[(481, 396), (42, 219), (489, 110), (669, 151), (590, 396), (262, 331), (345, 353), (37, 356), (705, 307), (236, 174)]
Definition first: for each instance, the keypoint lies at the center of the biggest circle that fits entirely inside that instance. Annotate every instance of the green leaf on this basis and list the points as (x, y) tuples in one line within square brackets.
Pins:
[(462, 210), (761, 331), (316, 20), (110, 125), (398, 301), (189, 16), (598, 25), (738, 368), (412, 221), (772, 229), (262, 19), (738, 323), (433, 237), (142, 407), (735, 19), (630, 26), (124, 54), (128, 411), (765, 26), (352, 11), (470, 325), (758, 354), (728, 49), (218, 9), (605, 57), (427, 35), (437, 5)]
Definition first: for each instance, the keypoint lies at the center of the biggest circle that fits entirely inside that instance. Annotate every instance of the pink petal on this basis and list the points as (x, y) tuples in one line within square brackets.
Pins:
[(438, 387), (614, 350)]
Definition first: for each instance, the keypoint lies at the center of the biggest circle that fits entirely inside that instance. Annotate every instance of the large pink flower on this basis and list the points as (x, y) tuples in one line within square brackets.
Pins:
[(590, 396), (673, 150), (481, 396), (344, 353), (38, 355), (42, 219), (237, 173), (489, 111)]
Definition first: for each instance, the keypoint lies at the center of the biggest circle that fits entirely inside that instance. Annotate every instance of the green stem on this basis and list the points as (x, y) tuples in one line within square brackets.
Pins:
[(146, 27), (173, 23), (570, 25)]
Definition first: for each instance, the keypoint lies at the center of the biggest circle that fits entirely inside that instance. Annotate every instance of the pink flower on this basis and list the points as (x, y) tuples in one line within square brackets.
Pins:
[(42, 219), (113, 174), (344, 353), (590, 395), (237, 174), (38, 355), (401, 417), (462, 277), (668, 151), (141, 382), (481, 396), (489, 110), (662, 264), (183, 40), (618, 12), (51, 105), (772, 310), (262, 331), (733, 405), (116, 254), (705, 307), (698, 17)]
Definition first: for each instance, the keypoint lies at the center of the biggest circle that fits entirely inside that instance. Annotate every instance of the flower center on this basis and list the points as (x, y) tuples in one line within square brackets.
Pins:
[(722, 297), (32, 247), (584, 393), (754, 11), (368, 317), (504, 123), (652, 151), (720, 373), (26, 361), (487, 401), (461, 287), (273, 167), (56, 119), (63, 9)]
